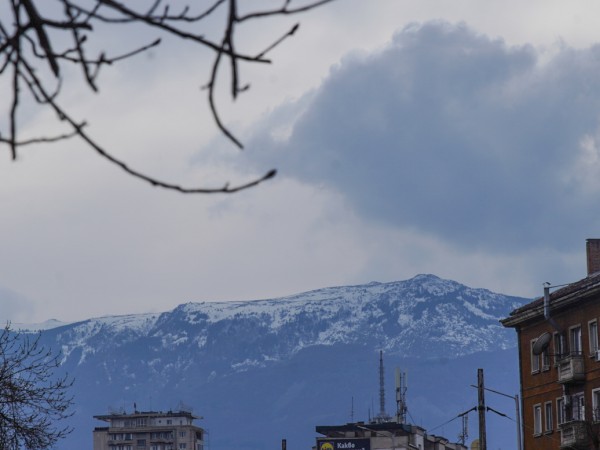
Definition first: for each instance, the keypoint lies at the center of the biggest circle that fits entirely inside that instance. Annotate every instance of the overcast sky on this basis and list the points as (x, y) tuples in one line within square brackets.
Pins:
[(459, 138)]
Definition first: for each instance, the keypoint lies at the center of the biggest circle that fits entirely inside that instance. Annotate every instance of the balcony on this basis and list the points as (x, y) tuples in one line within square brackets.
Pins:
[(574, 435), (571, 369)]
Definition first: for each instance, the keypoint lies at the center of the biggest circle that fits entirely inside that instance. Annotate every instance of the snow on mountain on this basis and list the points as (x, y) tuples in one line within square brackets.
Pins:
[(425, 316), (35, 327), (287, 356)]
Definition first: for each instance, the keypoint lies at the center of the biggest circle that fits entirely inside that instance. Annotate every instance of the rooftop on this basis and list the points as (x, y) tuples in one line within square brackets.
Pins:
[(146, 414), (560, 298)]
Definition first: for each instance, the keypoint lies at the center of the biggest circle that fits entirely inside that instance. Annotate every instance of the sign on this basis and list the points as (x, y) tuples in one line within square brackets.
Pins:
[(343, 444)]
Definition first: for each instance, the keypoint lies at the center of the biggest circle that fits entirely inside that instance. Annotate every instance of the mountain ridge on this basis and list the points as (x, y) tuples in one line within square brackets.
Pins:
[(458, 319), (285, 355)]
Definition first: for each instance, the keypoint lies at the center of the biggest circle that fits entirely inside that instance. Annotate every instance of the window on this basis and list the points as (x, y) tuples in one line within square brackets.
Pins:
[(545, 360), (593, 330), (141, 442), (560, 410), (182, 446), (537, 420), (596, 405), (577, 407), (575, 340), (559, 347), (535, 359), (549, 422), (182, 434), (169, 422)]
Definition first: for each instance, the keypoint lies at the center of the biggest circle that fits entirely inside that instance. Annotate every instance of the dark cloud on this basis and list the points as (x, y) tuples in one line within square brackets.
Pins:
[(455, 134)]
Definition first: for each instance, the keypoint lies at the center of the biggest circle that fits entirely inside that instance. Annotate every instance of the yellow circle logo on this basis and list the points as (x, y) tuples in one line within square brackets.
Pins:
[(326, 446)]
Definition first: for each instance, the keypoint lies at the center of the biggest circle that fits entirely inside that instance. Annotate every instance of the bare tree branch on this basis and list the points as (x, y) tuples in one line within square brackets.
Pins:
[(35, 44), (32, 399)]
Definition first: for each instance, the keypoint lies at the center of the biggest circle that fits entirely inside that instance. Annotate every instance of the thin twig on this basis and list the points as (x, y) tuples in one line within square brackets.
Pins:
[(34, 58)]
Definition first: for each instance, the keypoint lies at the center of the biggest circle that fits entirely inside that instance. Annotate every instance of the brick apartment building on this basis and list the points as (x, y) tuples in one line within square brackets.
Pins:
[(559, 363), (149, 431)]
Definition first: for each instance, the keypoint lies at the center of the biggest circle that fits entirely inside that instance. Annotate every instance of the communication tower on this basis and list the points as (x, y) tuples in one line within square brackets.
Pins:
[(401, 388)]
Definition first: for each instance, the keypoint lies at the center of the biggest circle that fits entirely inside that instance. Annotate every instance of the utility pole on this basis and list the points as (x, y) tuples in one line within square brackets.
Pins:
[(518, 413), (481, 409)]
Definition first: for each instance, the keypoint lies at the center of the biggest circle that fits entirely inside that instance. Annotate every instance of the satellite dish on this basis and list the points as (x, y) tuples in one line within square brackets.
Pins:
[(541, 343)]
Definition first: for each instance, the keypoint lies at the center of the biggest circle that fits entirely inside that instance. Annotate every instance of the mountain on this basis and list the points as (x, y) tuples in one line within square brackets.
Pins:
[(263, 370)]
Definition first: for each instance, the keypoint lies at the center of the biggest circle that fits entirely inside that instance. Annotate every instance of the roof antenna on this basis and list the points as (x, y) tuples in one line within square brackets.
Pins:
[(464, 435), (383, 416), (401, 388)]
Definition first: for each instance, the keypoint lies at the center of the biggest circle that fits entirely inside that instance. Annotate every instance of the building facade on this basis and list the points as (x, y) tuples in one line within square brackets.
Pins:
[(559, 363), (380, 436), (149, 431)]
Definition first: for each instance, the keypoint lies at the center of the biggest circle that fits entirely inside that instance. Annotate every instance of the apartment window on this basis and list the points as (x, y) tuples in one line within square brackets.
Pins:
[(577, 407), (596, 405), (182, 446), (548, 420), (575, 340), (559, 347), (593, 329), (537, 420), (560, 410), (182, 434), (545, 360), (535, 359), (169, 422), (141, 442)]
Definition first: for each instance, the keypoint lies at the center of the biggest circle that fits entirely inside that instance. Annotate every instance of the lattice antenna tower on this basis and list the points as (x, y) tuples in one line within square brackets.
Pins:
[(464, 435), (381, 386), (382, 417), (401, 388)]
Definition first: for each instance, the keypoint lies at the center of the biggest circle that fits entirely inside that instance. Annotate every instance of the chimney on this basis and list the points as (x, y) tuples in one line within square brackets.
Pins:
[(592, 247)]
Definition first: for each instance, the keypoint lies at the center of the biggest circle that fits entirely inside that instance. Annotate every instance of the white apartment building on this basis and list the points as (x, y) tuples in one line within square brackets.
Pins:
[(149, 430)]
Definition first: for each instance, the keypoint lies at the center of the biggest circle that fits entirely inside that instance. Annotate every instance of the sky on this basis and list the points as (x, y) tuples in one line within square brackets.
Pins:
[(459, 138)]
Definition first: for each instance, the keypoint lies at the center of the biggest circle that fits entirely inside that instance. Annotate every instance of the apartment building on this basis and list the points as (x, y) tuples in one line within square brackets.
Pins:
[(149, 431), (374, 436), (559, 363)]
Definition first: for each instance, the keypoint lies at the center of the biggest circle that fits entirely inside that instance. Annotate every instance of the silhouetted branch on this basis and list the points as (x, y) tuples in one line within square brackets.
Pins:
[(32, 399), (36, 43)]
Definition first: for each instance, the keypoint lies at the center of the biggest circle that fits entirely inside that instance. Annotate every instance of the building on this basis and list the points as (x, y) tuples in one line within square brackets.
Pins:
[(559, 363), (149, 431), (383, 432), (375, 436)]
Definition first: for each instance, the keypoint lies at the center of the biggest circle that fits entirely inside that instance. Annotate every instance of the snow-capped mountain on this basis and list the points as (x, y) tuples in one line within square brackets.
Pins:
[(269, 363)]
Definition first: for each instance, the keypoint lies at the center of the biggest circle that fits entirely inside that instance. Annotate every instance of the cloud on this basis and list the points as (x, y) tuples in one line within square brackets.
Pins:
[(14, 306), (454, 134)]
